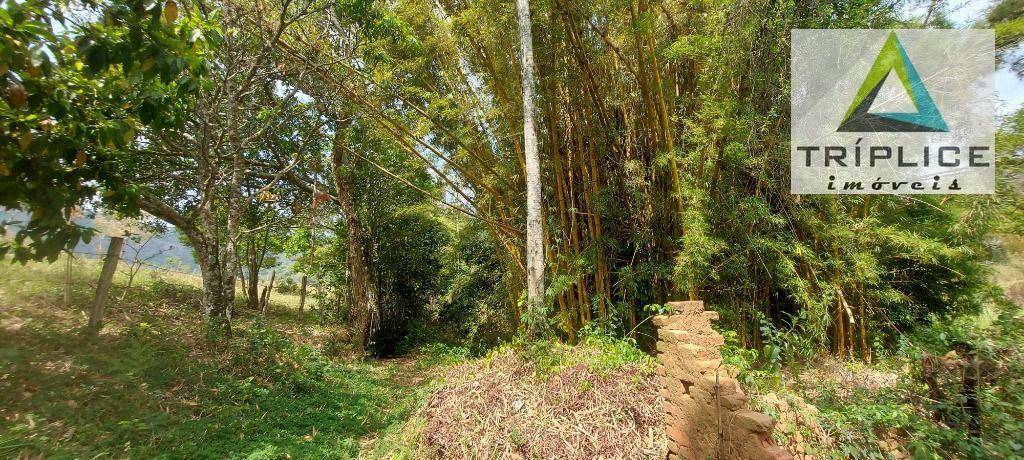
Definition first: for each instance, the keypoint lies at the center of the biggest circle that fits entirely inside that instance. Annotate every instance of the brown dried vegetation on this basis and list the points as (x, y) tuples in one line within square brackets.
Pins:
[(507, 406)]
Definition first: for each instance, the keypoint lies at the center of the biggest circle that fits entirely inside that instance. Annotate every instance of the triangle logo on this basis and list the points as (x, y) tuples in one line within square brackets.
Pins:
[(891, 58)]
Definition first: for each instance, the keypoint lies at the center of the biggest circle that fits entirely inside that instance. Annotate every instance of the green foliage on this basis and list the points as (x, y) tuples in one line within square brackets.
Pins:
[(600, 352), (771, 262), (756, 374), (668, 178), (614, 351), (76, 97), (440, 352), (997, 338), (474, 302), (287, 286), (1006, 17), (1009, 199), (859, 418), (859, 425), (145, 389)]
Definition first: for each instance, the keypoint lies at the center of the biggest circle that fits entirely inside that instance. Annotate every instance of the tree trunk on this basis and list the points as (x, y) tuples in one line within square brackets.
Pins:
[(362, 281), (106, 279), (218, 292), (302, 294), (245, 283), (228, 257), (972, 392), (536, 313), (266, 293), (133, 270), (253, 285)]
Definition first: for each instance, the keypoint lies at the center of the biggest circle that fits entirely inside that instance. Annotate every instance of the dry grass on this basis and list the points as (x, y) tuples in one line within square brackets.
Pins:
[(157, 294), (505, 406), (844, 378)]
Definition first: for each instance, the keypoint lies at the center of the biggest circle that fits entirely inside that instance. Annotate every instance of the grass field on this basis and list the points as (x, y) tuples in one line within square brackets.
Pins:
[(155, 384), (152, 384)]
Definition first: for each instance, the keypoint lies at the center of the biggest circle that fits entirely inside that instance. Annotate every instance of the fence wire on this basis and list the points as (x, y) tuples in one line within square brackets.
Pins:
[(126, 264)]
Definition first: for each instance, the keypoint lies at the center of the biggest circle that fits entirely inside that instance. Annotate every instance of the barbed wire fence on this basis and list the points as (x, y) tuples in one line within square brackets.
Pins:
[(83, 272), (74, 255), (78, 279), (143, 263)]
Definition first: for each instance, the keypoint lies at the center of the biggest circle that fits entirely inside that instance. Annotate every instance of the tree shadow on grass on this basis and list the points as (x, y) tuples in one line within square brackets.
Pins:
[(144, 393)]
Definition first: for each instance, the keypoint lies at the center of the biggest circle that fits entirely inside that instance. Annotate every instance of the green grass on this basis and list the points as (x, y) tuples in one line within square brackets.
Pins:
[(151, 385)]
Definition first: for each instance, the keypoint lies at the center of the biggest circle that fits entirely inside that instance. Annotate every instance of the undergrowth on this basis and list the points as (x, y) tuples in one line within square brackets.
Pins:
[(872, 411), (601, 353), (151, 386)]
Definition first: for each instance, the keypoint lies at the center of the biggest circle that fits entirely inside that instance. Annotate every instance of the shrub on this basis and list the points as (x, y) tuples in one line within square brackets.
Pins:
[(287, 286)]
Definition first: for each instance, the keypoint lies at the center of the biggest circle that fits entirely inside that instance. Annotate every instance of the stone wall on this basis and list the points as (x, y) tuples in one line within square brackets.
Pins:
[(706, 414)]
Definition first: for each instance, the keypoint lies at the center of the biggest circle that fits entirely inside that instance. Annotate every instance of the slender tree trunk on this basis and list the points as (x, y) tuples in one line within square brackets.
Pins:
[(266, 293), (534, 231), (245, 284), (840, 330), (133, 270), (302, 294), (253, 285), (865, 352), (972, 392), (99, 303), (932, 8)]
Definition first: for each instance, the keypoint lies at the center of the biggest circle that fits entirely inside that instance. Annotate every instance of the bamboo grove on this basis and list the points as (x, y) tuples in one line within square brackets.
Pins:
[(664, 139), (663, 129)]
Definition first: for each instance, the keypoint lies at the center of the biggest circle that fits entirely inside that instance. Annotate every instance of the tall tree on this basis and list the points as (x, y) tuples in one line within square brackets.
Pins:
[(161, 107), (363, 277), (198, 174), (536, 312)]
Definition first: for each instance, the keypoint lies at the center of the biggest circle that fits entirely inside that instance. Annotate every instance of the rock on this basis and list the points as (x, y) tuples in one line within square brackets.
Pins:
[(753, 421), (726, 386), (687, 306), (676, 435), (701, 367), (736, 401)]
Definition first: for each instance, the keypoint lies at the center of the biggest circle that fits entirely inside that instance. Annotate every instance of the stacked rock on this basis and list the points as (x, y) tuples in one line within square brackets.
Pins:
[(706, 414)]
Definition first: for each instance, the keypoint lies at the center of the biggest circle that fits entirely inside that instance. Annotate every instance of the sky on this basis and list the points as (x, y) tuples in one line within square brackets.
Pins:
[(1009, 87)]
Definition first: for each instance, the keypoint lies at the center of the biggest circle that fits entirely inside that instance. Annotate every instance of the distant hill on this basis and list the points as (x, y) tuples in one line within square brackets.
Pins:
[(164, 250)]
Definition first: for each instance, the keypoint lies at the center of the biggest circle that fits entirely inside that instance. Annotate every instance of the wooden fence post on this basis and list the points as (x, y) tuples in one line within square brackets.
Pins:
[(67, 279), (302, 294), (106, 279), (266, 293)]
